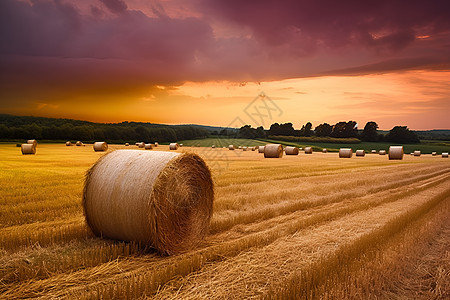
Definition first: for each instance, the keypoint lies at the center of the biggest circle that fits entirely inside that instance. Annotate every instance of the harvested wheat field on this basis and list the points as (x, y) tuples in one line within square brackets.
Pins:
[(299, 227)]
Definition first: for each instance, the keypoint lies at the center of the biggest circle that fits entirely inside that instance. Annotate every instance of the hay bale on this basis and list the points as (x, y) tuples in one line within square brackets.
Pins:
[(148, 146), (213, 146), (68, 143), (444, 154), (412, 154), (137, 144), (291, 150), (374, 151), (360, 153), (28, 149), (433, 153), (240, 147), (273, 151), (174, 146), (78, 143), (261, 149), (141, 145), (156, 144), (161, 199), (382, 152), (127, 144), (417, 153), (100, 146), (253, 148), (396, 152), (308, 150), (181, 145), (244, 148), (324, 150), (34, 142), (345, 153), (300, 148), (231, 147)]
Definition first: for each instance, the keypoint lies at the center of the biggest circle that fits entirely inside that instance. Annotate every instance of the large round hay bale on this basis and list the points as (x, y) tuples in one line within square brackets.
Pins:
[(148, 146), (173, 146), (34, 142), (382, 152), (231, 147), (444, 154), (261, 149), (161, 199), (374, 151), (434, 153), (100, 146), (291, 150), (360, 153), (273, 151), (308, 150), (127, 144), (324, 150), (417, 153), (396, 152), (78, 143), (141, 145), (28, 149), (68, 143), (345, 153)]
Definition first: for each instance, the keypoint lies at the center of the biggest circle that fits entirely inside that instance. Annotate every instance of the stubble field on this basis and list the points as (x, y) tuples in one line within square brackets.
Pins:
[(302, 227)]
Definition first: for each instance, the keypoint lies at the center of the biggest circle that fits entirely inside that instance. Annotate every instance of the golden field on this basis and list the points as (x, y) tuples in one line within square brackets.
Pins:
[(301, 227)]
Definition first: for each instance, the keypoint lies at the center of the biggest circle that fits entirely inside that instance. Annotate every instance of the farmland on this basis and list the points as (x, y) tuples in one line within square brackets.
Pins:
[(302, 227)]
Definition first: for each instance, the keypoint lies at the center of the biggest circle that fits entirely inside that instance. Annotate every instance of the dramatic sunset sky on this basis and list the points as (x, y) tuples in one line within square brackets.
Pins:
[(204, 61)]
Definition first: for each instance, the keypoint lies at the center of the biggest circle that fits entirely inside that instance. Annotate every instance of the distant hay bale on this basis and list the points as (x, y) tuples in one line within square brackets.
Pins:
[(127, 144), (273, 151), (148, 146), (291, 150), (78, 143), (156, 144), (231, 147), (261, 149), (34, 142), (68, 143), (360, 153), (137, 144), (244, 148), (382, 152), (253, 148), (308, 150), (100, 146), (433, 153), (141, 145), (417, 153), (213, 146), (300, 148), (345, 153), (161, 199), (239, 147), (181, 145), (28, 149), (412, 154), (324, 150), (173, 146), (374, 151), (396, 152), (444, 154)]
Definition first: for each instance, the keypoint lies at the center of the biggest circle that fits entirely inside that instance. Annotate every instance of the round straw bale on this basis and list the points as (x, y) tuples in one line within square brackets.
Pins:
[(162, 199), (374, 151), (181, 145), (213, 146), (173, 146), (308, 150), (68, 143), (412, 153), (141, 145), (137, 144), (34, 142), (261, 149), (396, 152), (345, 153), (253, 148), (78, 143), (382, 152), (28, 149), (445, 154), (324, 150), (273, 151), (156, 144), (127, 144), (148, 146), (360, 153), (231, 147), (417, 153), (239, 147), (300, 148), (100, 146), (291, 150), (244, 148), (434, 153)]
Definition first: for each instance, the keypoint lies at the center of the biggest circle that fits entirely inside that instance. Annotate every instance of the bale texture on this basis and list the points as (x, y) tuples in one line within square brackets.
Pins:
[(273, 151), (231, 147), (34, 142), (173, 146), (360, 153), (78, 143), (345, 153), (382, 152), (417, 153), (28, 149), (396, 152), (291, 150), (324, 150), (445, 154), (261, 149), (148, 146), (100, 146), (308, 150), (161, 199), (68, 143)]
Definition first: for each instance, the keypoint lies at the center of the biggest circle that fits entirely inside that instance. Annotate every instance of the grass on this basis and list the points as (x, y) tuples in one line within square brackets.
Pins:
[(276, 224)]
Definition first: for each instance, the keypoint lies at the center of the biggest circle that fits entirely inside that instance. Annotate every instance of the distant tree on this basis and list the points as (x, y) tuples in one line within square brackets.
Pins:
[(324, 129), (370, 133), (260, 132), (402, 134), (275, 129), (306, 130), (345, 130)]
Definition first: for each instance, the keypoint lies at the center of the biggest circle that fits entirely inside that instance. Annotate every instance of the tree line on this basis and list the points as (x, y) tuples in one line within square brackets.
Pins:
[(18, 127)]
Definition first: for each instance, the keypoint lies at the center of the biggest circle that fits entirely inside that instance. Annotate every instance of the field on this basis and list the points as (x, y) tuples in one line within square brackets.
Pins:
[(301, 227)]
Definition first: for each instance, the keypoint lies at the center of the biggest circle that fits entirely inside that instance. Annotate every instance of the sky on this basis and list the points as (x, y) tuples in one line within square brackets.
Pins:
[(228, 62)]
